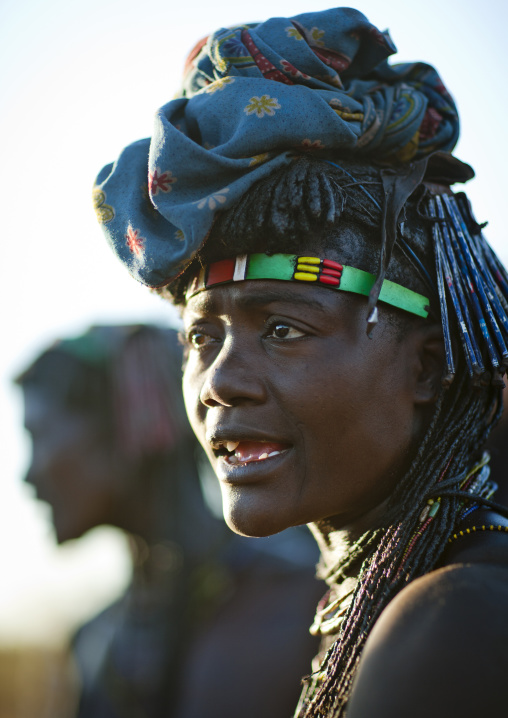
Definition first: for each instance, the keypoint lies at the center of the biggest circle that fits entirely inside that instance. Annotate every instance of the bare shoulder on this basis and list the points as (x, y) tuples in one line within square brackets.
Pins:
[(439, 649)]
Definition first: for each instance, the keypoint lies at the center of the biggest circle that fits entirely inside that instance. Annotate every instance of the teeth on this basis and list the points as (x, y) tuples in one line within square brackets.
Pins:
[(264, 456), (231, 445), (274, 453)]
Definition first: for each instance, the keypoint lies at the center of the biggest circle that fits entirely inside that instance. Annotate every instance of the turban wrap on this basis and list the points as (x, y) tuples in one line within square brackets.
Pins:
[(254, 97)]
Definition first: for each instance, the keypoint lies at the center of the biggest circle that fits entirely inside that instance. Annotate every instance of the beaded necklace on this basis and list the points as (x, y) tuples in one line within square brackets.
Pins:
[(475, 483)]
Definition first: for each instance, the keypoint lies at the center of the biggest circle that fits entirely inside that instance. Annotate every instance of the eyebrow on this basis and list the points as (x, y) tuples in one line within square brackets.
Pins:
[(257, 298)]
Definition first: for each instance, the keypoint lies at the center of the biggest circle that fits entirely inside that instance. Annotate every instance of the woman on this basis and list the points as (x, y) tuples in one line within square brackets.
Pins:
[(346, 330)]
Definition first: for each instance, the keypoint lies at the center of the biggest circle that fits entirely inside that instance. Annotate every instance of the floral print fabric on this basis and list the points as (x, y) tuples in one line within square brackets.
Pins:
[(252, 97)]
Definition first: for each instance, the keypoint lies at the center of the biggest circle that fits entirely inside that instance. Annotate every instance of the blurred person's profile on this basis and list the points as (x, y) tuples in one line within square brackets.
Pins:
[(199, 631)]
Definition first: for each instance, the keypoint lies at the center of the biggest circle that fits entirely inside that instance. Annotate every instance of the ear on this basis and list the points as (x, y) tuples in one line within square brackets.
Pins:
[(429, 364)]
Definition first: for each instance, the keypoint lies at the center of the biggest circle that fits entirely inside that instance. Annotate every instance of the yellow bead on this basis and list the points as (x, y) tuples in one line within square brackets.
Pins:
[(468, 531), (305, 277), (491, 527), (307, 268), (461, 533), (309, 260)]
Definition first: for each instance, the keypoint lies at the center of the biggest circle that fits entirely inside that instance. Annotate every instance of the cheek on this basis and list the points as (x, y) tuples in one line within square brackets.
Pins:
[(386, 420), (191, 386), (362, 419), (51, 466)]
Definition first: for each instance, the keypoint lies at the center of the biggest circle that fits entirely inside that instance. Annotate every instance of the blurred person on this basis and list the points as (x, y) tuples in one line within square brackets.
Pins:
[(209, 616)]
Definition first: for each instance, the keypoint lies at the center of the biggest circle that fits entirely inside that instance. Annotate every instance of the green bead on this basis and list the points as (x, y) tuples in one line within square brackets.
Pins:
[(434, 509)]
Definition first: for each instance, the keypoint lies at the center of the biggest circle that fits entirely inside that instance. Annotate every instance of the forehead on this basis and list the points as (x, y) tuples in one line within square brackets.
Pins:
[(251, 295)]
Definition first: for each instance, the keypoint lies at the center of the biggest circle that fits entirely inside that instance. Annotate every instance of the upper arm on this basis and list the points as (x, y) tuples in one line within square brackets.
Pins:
[(439, 650)]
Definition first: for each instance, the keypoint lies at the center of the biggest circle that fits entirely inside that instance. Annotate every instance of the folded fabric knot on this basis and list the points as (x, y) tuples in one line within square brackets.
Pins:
[(253, 97)]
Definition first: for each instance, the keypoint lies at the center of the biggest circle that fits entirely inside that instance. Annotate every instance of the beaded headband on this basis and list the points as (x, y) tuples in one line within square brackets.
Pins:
[(294, 268)]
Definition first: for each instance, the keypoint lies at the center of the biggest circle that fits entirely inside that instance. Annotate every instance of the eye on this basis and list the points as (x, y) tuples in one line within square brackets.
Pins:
[(281, 330), (198, 339)]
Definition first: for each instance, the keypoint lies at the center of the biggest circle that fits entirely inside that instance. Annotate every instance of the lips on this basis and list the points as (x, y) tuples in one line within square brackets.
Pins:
[(241, 447), (246, 452)]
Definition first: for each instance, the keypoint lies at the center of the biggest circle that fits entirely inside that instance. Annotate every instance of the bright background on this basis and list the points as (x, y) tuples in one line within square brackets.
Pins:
[(79, 80)]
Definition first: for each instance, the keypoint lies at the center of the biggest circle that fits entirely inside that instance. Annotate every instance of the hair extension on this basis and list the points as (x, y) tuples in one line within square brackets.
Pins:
[(285, 212)]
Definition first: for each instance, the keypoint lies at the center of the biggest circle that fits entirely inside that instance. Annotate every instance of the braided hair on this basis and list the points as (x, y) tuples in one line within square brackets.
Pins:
[(292, 210)]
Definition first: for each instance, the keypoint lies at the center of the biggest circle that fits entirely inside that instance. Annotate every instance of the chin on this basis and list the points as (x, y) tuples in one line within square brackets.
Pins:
[(251, 518), (65, 532), (64, 536)]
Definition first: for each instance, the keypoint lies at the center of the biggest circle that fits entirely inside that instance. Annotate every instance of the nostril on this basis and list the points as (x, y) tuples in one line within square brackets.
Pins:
[(210, 403), (215, 394)]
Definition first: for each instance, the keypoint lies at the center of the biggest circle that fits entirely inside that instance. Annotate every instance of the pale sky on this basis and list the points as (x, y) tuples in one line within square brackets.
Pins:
[(80, 79)]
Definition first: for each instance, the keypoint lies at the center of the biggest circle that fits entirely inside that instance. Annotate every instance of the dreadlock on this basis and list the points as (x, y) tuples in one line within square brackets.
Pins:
[(306, 205)]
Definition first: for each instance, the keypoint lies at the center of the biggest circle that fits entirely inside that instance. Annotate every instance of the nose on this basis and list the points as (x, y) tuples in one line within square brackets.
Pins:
[(30, 477), (234, 378), (33, 477), (38, 465)]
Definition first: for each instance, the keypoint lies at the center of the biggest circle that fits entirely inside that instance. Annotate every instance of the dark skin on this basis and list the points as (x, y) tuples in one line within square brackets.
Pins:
[(439, 648), (289, 369)]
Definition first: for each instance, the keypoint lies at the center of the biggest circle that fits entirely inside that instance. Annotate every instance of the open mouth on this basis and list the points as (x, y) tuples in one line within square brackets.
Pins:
[(246, 452)]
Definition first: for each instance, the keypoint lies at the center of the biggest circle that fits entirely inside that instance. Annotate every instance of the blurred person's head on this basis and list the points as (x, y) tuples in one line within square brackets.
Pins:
[(106, 419)]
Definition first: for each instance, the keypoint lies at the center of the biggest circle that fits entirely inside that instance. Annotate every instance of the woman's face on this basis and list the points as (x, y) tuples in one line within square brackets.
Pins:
[(302, 416), (71, 466)]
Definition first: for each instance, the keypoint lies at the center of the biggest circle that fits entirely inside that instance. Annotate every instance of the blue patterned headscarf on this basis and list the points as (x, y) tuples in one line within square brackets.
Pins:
[(253, 97)]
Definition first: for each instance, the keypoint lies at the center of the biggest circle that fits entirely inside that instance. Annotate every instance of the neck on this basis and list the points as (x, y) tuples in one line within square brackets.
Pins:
[(335, 539)]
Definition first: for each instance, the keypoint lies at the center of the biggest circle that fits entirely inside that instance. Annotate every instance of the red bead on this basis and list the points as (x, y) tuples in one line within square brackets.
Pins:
[(332, 272), (334, 281), (332, 265)]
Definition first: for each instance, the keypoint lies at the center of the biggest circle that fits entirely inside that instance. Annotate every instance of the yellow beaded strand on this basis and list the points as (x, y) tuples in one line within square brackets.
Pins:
[(473, 529)]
